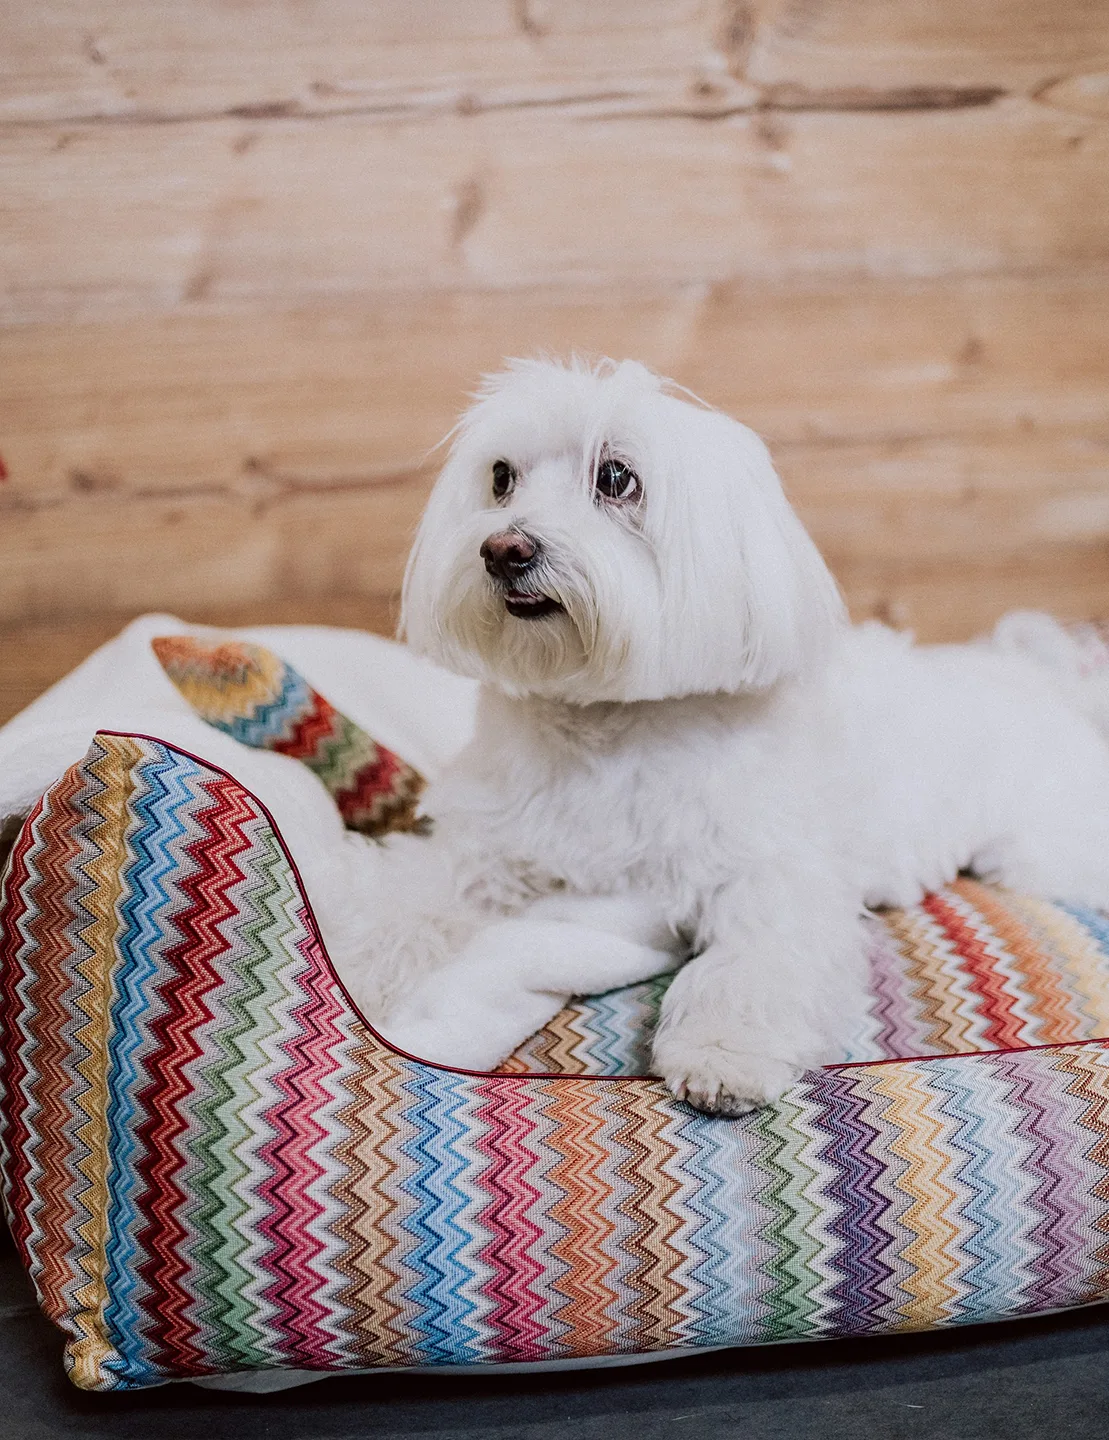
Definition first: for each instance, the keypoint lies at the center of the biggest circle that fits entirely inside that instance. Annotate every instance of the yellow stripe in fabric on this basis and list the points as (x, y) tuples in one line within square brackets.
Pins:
[(90, 1351), (931, 970), (919, 1142), (248, 677), (372, 1164)]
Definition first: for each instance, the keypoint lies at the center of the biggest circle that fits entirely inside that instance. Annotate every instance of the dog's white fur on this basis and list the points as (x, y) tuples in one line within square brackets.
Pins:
[(697, 755)]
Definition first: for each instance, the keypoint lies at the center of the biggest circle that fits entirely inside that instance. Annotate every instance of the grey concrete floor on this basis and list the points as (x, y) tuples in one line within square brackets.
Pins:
[(1042, 1379)]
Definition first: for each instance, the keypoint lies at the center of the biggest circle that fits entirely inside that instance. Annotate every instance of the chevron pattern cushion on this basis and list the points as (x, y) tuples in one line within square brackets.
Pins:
[(211, 1164), (253, 695)]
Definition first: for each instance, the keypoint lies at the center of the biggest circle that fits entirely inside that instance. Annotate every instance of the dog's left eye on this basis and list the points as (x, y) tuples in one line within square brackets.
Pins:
[(504, 477), (616, 481)]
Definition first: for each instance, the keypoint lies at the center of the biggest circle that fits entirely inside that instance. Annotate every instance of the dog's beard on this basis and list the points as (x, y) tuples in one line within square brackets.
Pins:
[(568, 653)]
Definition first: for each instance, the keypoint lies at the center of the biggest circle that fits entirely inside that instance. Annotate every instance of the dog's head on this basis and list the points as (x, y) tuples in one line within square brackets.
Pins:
[(594, 537)]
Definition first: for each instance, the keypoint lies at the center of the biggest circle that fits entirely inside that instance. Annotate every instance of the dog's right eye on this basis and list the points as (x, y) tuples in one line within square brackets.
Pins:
[(504, 477)]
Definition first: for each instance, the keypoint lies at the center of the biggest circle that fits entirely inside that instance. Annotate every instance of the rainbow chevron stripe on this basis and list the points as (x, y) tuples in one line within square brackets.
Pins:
[(211, 1164), (254, 696)]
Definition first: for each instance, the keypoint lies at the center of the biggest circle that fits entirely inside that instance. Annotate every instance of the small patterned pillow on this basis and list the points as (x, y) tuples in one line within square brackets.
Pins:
[(253, 695)]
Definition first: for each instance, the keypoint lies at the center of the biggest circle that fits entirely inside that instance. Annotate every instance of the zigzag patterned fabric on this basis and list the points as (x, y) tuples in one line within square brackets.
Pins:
[(211, 1164), (252, 694), (970, 968)]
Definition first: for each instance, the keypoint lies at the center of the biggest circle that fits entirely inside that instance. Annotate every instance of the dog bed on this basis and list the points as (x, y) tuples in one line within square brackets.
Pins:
[(213, 1166)]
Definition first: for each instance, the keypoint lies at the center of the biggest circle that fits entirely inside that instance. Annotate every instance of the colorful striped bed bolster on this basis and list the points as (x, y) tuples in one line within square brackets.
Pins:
[(211, 1164)]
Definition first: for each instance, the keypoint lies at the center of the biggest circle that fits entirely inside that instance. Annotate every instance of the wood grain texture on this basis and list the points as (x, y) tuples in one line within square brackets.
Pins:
[(355, 392), (872, 48), (101, 220), (174, 59), (129, 555), (283, 457), (254, 253)]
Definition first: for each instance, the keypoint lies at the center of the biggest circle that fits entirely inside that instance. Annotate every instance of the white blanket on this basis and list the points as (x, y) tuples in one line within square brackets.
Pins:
[(422, 713)]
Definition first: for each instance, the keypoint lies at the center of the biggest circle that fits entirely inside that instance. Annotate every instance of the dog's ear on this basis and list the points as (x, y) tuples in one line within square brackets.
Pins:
[(792, 604), (759, 603), (427, 572)]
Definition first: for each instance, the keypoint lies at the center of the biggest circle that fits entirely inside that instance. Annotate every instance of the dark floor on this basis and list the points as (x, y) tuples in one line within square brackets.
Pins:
[(1042, 1379)]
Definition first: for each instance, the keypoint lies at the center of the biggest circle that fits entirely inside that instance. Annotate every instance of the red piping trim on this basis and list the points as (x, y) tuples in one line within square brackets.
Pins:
[(539, 1074), (967, 1054)]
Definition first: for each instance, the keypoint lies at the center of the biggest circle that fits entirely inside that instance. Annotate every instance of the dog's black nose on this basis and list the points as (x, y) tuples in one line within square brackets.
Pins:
[(509, 554)]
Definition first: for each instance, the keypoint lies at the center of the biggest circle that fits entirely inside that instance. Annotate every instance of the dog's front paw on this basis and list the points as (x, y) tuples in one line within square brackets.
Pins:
[(721, 1081)]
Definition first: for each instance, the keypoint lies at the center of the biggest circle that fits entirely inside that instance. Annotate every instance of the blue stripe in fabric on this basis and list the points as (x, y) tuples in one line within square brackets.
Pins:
[(1094, 921), (274, 720), (441, 1322), (157, 809), (727, 1274)]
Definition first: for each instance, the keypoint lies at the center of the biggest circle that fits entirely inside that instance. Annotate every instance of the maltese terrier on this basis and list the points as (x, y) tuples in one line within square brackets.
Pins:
[(685, 756)]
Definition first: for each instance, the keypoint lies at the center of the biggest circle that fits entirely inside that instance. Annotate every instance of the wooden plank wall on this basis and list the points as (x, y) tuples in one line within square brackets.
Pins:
[(253, 253)]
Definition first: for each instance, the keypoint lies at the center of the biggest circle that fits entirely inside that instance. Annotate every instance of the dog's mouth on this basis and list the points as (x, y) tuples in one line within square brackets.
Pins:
[(527, 606)]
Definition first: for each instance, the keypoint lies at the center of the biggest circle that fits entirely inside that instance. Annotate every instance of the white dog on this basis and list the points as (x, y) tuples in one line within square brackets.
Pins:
[(683, 749)]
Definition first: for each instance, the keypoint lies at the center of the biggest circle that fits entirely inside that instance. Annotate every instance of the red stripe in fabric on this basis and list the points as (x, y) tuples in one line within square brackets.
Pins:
[(47, 993), (314, 725), (516, 1317), (13, 1061), (1003, 1027), (372, 780)]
